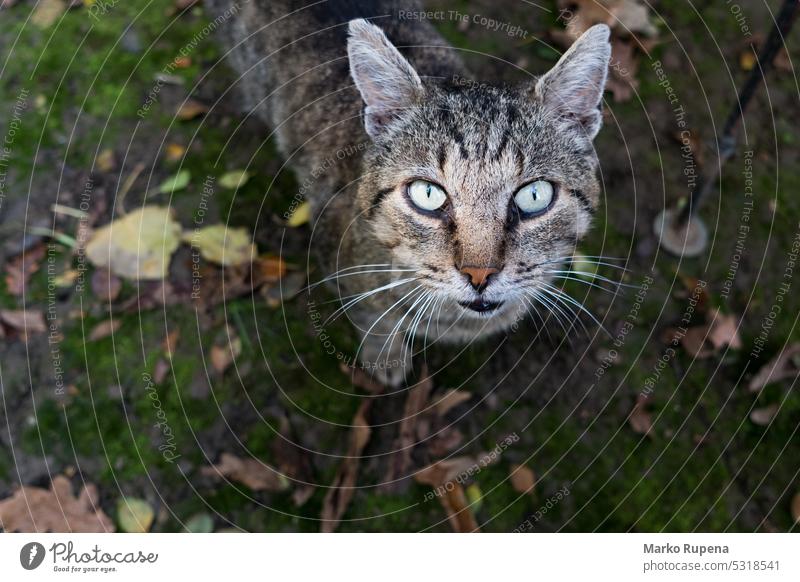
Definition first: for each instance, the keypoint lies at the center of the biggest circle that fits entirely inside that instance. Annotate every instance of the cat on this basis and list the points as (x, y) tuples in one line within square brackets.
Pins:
[(443, 209)]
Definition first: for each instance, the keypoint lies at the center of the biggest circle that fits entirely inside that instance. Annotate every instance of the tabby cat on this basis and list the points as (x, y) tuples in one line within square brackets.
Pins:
[(442, 208)]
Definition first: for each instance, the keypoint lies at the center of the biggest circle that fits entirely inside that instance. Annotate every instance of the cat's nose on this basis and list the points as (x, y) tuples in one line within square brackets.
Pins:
[(479, 276)]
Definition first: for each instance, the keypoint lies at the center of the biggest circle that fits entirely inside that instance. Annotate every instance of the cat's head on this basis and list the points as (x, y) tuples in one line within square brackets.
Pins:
[(481, 190)]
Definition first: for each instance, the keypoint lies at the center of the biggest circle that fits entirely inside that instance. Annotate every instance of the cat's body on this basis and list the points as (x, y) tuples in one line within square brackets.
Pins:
[(477, 262)]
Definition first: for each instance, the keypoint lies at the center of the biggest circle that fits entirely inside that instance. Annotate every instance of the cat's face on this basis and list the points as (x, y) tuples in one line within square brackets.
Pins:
[(482, 192)]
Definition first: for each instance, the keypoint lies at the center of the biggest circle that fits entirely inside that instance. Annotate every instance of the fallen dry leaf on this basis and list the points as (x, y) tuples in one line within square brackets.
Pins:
[(268, 269), (300, 216), (523, 479), (234, 179), (191, 109), (223, 356), (134, 515), (47, 12), (104, 329), (416, 403), (174, 152), (223, 245), (785, 365), (20, 268), (170, 342), (137, 246), (763, 416), (724, 330), (35, 510), (251, 473), (451, 399), (640, 419), (160, 371), (105, 285), (24, 322), (441, 476), (341, 491), (106, 161)]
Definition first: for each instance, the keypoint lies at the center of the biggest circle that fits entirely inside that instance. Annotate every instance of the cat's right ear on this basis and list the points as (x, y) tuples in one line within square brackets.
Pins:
[(574, 87), (387, 81)]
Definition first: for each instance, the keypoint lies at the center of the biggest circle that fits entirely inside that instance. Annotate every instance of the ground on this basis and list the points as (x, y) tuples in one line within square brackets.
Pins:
[(704, 465)]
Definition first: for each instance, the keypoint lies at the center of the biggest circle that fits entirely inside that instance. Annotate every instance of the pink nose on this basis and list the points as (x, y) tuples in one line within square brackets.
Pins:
[(479, 276)]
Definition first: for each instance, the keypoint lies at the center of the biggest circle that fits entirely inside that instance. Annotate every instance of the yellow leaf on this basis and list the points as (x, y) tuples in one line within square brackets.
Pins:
[(47, 12), (138, 245), (223, 245), (300, 216), (134, 515), (174, 152)]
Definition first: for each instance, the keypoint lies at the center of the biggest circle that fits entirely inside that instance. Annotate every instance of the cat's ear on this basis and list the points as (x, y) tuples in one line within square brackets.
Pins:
[(574, 87), (387, 81)]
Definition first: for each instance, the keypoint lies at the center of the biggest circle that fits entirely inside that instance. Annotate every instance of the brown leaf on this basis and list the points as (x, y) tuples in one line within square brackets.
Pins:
[(763, 416), (104, 329), (35, 510), (252, 473), (191, 109), (293, 460), (416, 403), (796, 508), (343, 487), (523, 480), (223, 356), (724, 330), (784, 365), (20, 268), (624, 65), (694, 342), (170, 342), (24, 322), (639, 419), (441, 476), (451, 399), (160, 371), (268, 269), (459, 513), (106, 285), (444, 471)]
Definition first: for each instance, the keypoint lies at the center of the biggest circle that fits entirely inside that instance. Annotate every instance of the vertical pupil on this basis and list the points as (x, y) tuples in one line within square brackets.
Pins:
[(428, 190)]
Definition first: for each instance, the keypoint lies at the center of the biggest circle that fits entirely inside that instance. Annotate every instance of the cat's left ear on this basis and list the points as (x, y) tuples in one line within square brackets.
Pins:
[(574, 87), (387, 81)]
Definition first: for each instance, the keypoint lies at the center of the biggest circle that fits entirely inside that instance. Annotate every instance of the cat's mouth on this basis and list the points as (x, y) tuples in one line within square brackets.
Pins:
[(481, 305)]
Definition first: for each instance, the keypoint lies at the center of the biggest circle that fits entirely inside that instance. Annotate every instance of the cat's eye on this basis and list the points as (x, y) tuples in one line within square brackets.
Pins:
[(534, 198), (426, 196)]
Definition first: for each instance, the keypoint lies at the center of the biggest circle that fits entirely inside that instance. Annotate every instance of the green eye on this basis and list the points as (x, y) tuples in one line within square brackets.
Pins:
[(535, 197), (426, 196)]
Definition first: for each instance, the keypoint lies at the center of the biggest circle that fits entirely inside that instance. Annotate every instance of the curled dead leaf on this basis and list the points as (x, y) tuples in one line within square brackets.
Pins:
[(104, 329), (640, 419), (191, 109), (252, 473), (765, 415), (450, 400), (523, 479), (785, 365), (341, 491), (35, 510)]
